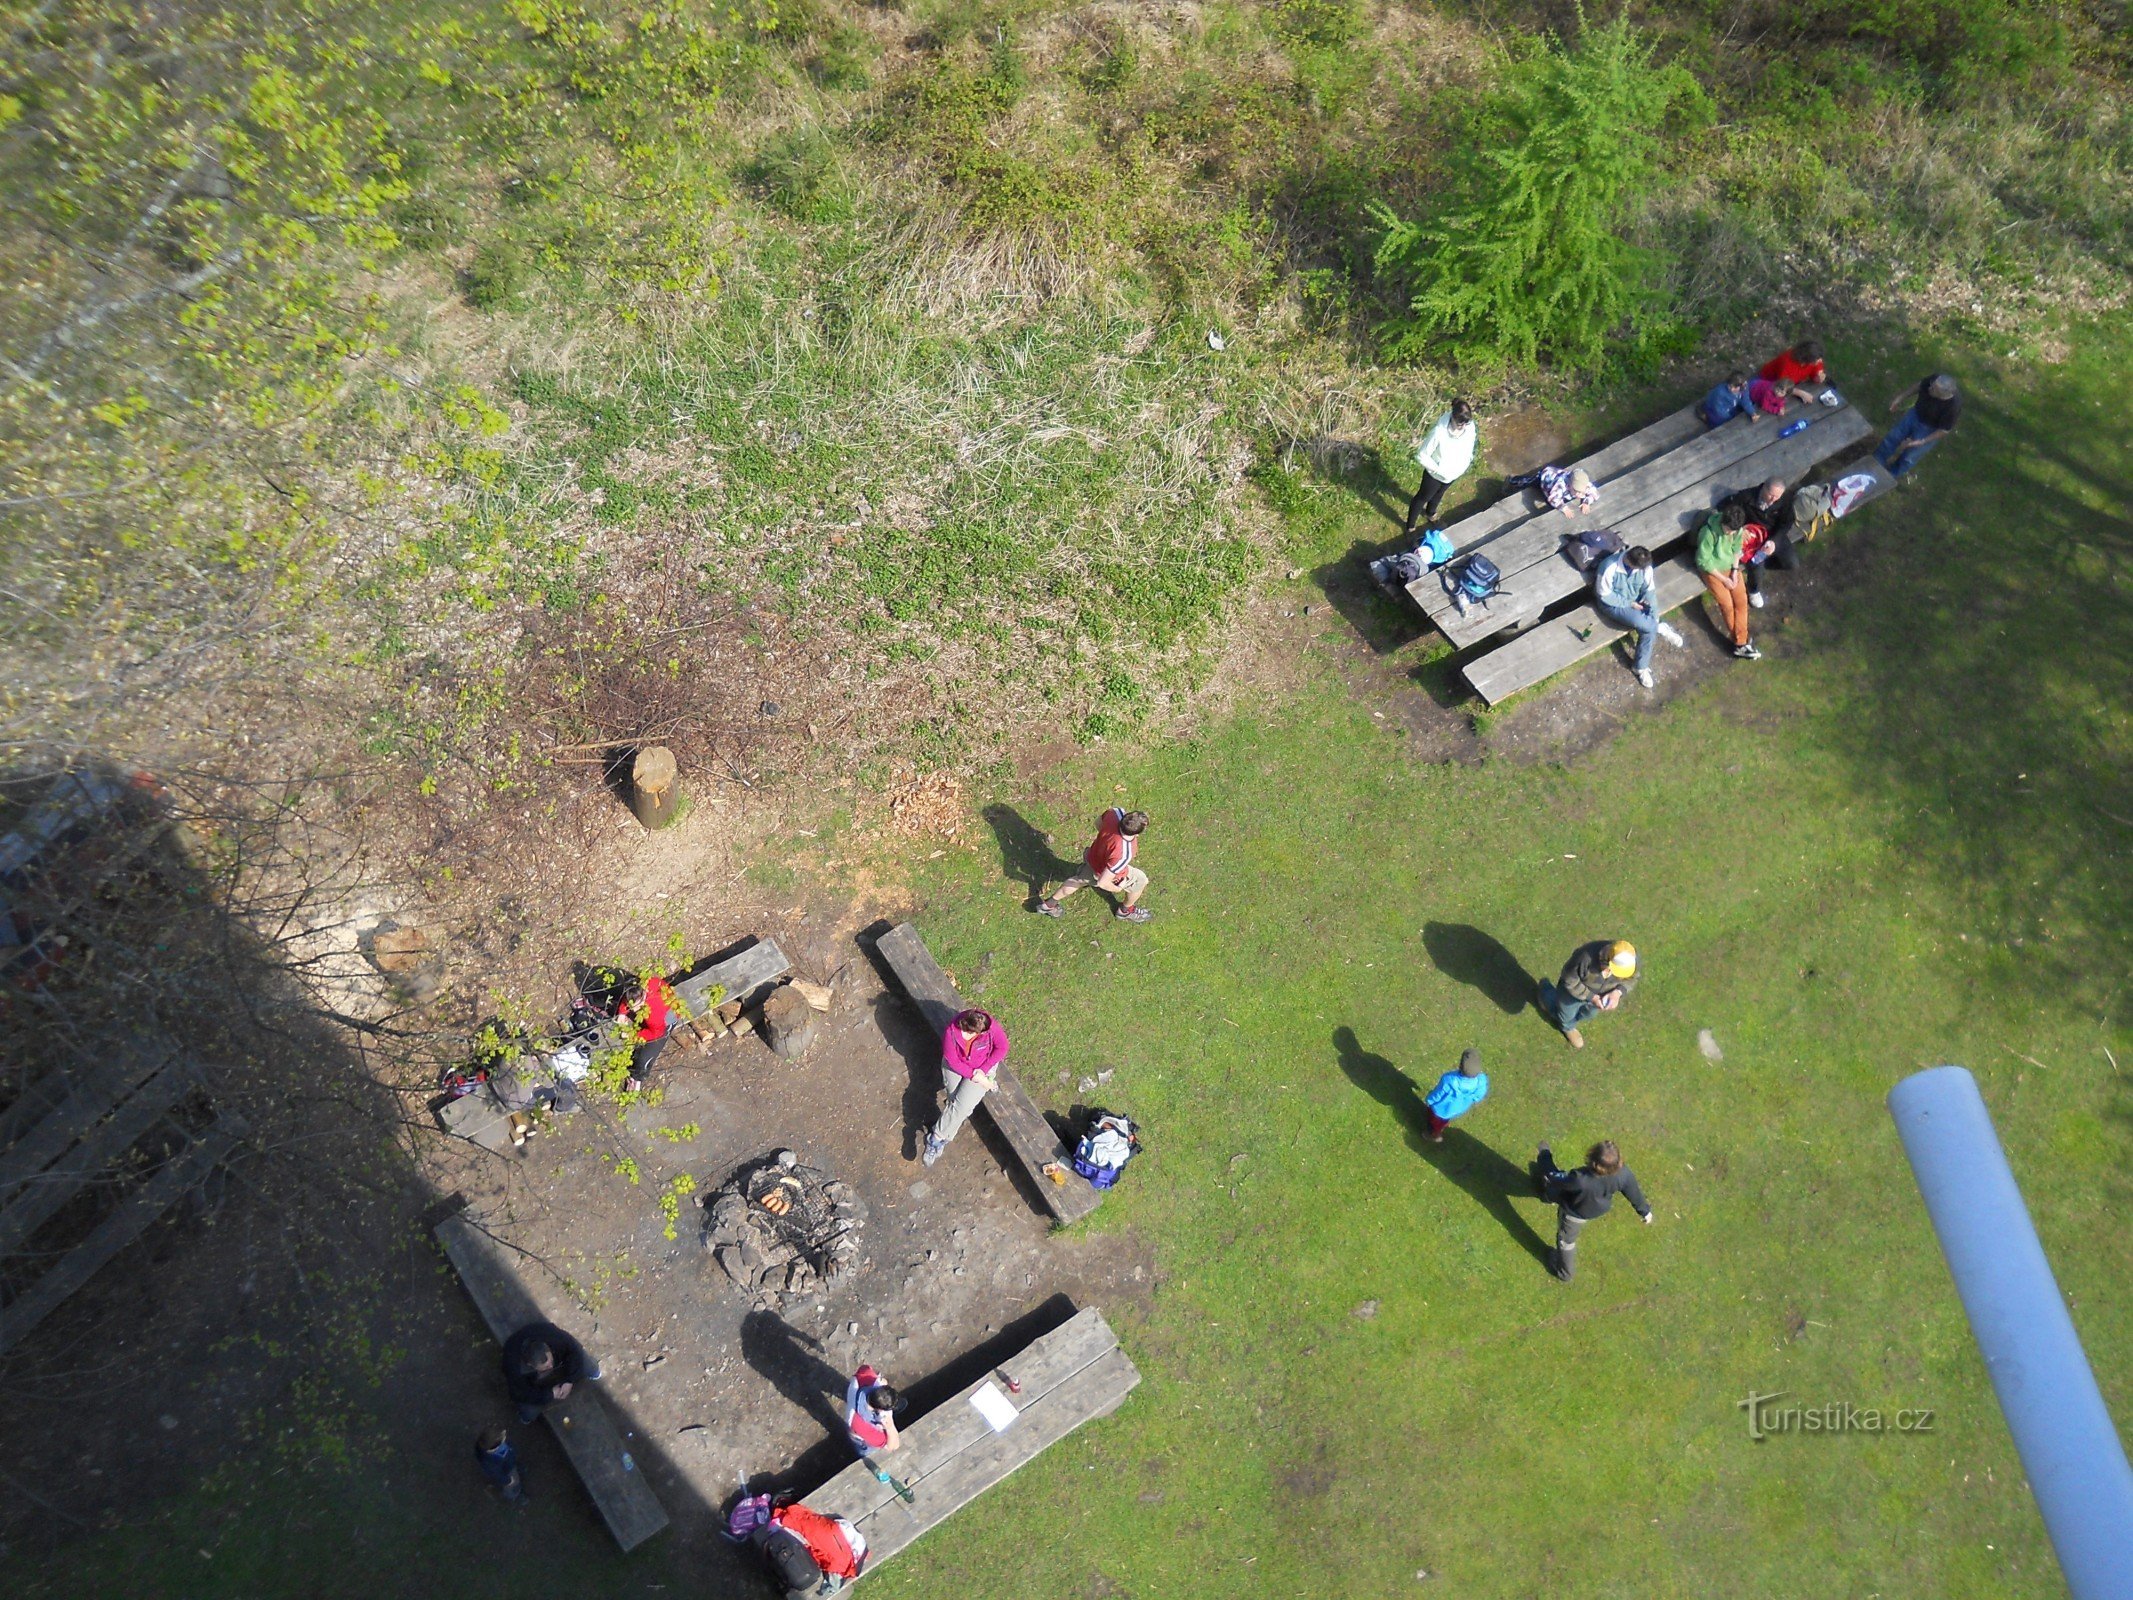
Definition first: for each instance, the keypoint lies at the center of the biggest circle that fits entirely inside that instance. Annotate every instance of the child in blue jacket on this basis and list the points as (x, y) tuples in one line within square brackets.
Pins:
[(1457, 1093), (1727, 401)]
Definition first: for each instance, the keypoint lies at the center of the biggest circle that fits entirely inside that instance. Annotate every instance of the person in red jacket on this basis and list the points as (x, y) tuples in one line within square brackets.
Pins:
[(648, 1007), (1108, 865), (1801, 366), (837, 1548)]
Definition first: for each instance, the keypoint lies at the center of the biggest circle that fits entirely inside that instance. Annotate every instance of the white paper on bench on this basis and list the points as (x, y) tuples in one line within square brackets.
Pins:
[(997, 1410)]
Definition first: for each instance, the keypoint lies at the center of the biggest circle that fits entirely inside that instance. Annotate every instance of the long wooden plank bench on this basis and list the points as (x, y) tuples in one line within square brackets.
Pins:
[(1009, 1107), (950, 1456), (580, 1421), (1546, 649), (127, 1223), (39, 1194), (1534, 573), (739, 977), (82, 1102)]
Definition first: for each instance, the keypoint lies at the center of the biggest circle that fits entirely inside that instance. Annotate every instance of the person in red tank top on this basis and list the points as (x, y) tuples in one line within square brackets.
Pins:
[(648, 1009), (1108, 865)]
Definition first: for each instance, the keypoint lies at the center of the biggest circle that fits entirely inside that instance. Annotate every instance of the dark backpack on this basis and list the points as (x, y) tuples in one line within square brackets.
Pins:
[(785, 1552), (1476, 577), (1588, 549)]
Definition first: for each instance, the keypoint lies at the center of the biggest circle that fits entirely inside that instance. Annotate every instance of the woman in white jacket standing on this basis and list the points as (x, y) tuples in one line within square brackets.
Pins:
[(1444, 455)]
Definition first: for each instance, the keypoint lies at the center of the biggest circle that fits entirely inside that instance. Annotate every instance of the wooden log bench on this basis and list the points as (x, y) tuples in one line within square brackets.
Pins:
[(951, 1455), (133, 1216), (580, 1421), (1546, 649), (1644, 505), (1009, 1107)]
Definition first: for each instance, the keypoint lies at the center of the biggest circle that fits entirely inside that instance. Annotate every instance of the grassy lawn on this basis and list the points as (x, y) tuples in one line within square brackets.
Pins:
[(1900, 841)]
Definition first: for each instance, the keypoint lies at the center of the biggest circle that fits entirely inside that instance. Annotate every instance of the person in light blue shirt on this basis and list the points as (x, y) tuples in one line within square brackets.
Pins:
[(1622, 592), (1457, 1093), (1727, 401)]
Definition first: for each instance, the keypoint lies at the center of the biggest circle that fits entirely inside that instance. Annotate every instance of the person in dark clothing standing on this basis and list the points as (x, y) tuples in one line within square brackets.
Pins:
[(1933, 414), (1582, 1195), (541, 1365), (1595, 979), (1768, 506)]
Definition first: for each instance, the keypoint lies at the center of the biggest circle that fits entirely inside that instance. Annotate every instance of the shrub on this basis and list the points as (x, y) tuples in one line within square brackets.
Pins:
[(495, 276), (1531, 261), (797, 172)]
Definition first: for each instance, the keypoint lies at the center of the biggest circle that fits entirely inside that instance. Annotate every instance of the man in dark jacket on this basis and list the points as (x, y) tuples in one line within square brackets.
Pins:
[(1595, 978), (1583, 1195), (1769, 507), (541, 1364)]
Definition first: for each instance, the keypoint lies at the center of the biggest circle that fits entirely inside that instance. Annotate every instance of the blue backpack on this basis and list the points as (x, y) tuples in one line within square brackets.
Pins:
[(1477, 578)]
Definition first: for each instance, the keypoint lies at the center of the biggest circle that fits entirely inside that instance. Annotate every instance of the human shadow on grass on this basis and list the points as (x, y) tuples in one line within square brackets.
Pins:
[(1480, 960), (1026, 853), (1490, 1177)]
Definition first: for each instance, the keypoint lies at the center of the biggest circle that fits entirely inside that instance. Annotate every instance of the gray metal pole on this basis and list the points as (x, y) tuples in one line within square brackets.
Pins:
[(2069, 1448)]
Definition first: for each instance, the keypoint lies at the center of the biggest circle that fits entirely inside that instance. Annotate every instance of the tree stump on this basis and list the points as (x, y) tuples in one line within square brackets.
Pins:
[(654, 790), (789, 1023)]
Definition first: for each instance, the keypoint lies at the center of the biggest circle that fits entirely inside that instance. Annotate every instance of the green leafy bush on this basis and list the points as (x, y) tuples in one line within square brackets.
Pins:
[(1531, 260), (495, 276), (797, 172)]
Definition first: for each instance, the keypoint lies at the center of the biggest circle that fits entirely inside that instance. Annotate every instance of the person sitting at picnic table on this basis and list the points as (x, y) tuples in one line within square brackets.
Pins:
[(1569, 490), (1772, 395), (1801, 366), (542, 1364), (1444, 455), (973, 1049), (1767, 540), (1595, 978), (1727, 401), (1718, 556), (1622, 592), (1933, 414), (809, 1553)]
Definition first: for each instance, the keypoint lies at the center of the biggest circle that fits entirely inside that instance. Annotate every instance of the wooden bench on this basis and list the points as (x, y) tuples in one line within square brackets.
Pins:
[(1546, 649), (580, 1421), (134, 1214), (1009, 1107), (1642, 506), (950, 1456), (739, 979)]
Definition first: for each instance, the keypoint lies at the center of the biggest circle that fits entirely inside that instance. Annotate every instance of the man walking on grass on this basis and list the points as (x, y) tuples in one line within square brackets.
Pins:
[(1108, 865), (1581, 1196), (1594, 979)]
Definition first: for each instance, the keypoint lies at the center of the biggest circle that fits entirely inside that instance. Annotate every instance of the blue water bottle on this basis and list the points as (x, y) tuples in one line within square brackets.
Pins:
[(1790, 429)]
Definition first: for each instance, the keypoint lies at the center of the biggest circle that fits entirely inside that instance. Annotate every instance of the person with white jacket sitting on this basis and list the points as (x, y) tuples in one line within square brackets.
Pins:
[(1623, 594), (1444, 455)]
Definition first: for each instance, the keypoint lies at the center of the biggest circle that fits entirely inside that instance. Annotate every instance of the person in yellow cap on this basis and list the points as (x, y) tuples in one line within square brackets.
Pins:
[(1594, 979)]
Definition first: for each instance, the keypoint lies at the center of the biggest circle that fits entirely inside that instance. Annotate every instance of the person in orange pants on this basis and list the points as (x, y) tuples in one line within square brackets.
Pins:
[(1718, 555)]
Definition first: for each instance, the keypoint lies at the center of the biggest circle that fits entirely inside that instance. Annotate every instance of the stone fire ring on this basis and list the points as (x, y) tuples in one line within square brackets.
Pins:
[(781, 1230)]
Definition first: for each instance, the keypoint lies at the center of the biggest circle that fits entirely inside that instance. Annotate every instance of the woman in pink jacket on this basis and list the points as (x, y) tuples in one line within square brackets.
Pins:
[(972, 1051)]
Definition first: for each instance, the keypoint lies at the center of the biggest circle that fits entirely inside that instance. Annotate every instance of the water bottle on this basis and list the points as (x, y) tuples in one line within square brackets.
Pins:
[(1790, 429)]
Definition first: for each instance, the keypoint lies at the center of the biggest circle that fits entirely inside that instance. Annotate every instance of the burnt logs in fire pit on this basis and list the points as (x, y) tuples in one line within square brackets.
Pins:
[(779, 1229)]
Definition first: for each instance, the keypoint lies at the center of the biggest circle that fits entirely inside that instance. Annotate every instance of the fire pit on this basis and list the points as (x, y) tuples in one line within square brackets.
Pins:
[(779, 1229)]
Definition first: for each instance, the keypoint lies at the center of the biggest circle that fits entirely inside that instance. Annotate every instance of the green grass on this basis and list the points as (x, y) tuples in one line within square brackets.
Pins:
[(1899, 842)]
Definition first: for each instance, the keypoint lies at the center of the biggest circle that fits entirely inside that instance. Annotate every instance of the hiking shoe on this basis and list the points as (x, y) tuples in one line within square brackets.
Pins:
[(1577, 1039), (1756, 599), (1133, 914), (1558, 1269), (1672, 635), (1746, 652), (1434, 1138), (933, 1150), (1644, 676), (1049, 907)]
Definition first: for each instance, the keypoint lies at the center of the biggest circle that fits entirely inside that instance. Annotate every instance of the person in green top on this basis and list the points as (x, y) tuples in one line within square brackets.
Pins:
[(1718, 547)]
